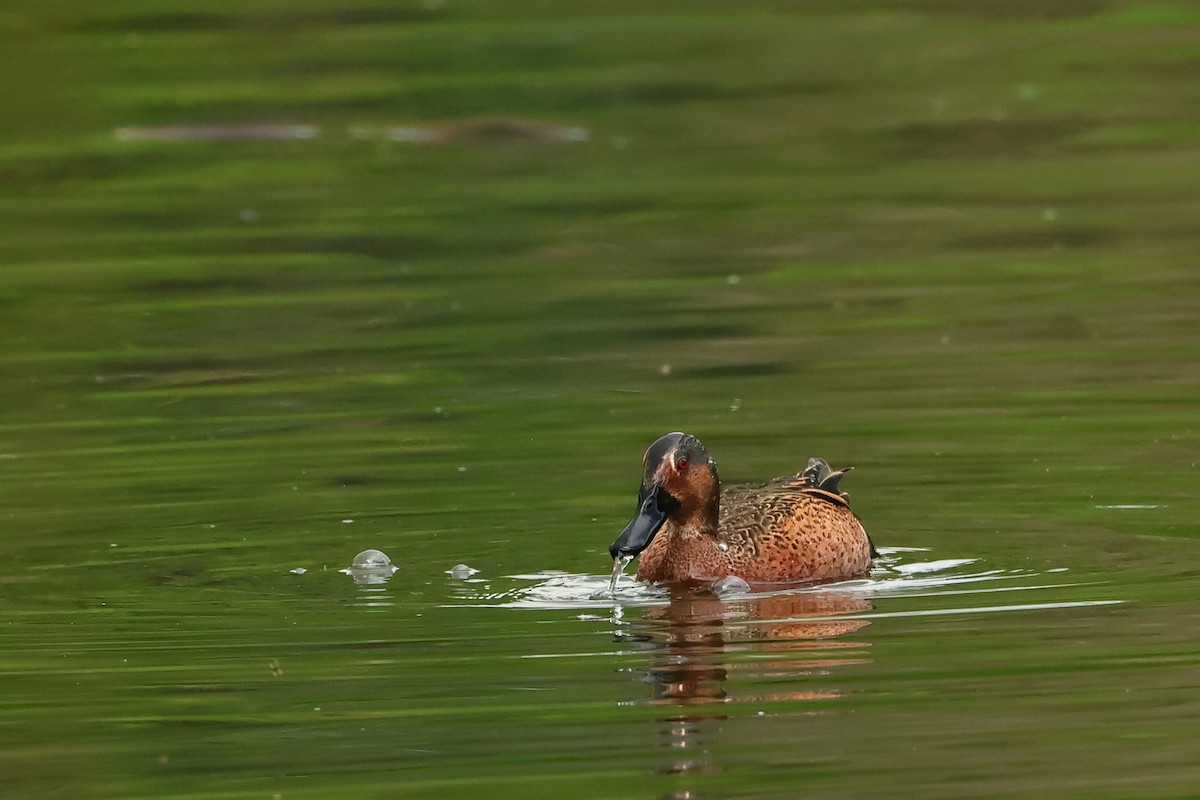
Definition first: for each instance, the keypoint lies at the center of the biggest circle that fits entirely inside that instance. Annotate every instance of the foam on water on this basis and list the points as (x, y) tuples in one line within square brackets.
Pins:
[(899, 571)]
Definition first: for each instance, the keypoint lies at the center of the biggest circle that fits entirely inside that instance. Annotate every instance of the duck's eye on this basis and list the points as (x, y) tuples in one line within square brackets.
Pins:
[(680, 464)]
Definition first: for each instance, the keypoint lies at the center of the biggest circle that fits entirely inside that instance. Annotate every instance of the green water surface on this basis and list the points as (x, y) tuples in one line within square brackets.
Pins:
[(952, 244)]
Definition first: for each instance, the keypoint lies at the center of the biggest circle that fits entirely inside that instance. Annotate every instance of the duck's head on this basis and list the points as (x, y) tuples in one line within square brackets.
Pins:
[(679, 482)]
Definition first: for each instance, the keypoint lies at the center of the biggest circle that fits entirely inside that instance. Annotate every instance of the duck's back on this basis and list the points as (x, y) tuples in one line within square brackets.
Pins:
[(792, 529)]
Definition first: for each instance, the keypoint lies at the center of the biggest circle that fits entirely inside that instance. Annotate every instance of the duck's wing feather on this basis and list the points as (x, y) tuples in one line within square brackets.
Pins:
[(749, 509), (817, 479)]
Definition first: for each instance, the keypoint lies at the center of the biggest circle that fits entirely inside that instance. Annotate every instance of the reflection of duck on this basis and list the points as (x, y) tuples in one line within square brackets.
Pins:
[(706, 652), (688, 530), (798, 631)]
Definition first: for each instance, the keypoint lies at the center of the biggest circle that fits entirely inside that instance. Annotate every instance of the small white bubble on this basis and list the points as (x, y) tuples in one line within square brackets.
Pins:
[(347, 522), (299, 571), (1049, 214), (248, 215), (733, 280), (664, 370), (462, 469), (371, 559), (730, 584), (371, 567)]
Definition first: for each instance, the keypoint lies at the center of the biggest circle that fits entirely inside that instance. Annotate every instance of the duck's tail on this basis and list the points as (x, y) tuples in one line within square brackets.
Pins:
[(819, 475)]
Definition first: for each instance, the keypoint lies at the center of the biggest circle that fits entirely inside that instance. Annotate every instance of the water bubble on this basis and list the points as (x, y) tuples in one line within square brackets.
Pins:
[(371, 559), (461, 571), (299, 571), (730, 584), (371, 566)]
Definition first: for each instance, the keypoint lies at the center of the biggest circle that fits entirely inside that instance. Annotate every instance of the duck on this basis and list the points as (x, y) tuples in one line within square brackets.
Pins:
[(688, 529)]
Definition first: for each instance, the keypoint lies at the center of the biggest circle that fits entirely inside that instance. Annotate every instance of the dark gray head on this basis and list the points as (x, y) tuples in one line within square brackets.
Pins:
[(679, 481)]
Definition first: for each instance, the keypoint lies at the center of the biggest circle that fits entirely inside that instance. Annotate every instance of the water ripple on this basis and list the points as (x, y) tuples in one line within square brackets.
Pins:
[(899, 571)]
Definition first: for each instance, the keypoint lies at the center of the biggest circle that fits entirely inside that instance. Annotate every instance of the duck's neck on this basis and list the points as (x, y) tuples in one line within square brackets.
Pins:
[(690, 551), (702, 522), (687, 549)]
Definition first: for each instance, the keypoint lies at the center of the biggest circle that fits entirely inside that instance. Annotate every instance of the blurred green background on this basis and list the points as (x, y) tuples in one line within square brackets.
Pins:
[(281, 281)]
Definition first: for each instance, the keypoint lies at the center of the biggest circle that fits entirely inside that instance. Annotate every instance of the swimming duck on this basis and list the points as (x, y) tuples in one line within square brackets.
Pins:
[(689, 530)]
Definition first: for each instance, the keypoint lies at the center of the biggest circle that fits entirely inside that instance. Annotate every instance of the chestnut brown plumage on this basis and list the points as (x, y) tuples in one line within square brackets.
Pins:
[(689, 530)]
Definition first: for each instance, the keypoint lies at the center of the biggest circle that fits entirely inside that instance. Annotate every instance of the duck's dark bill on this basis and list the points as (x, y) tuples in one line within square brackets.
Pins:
[(653, 503)]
